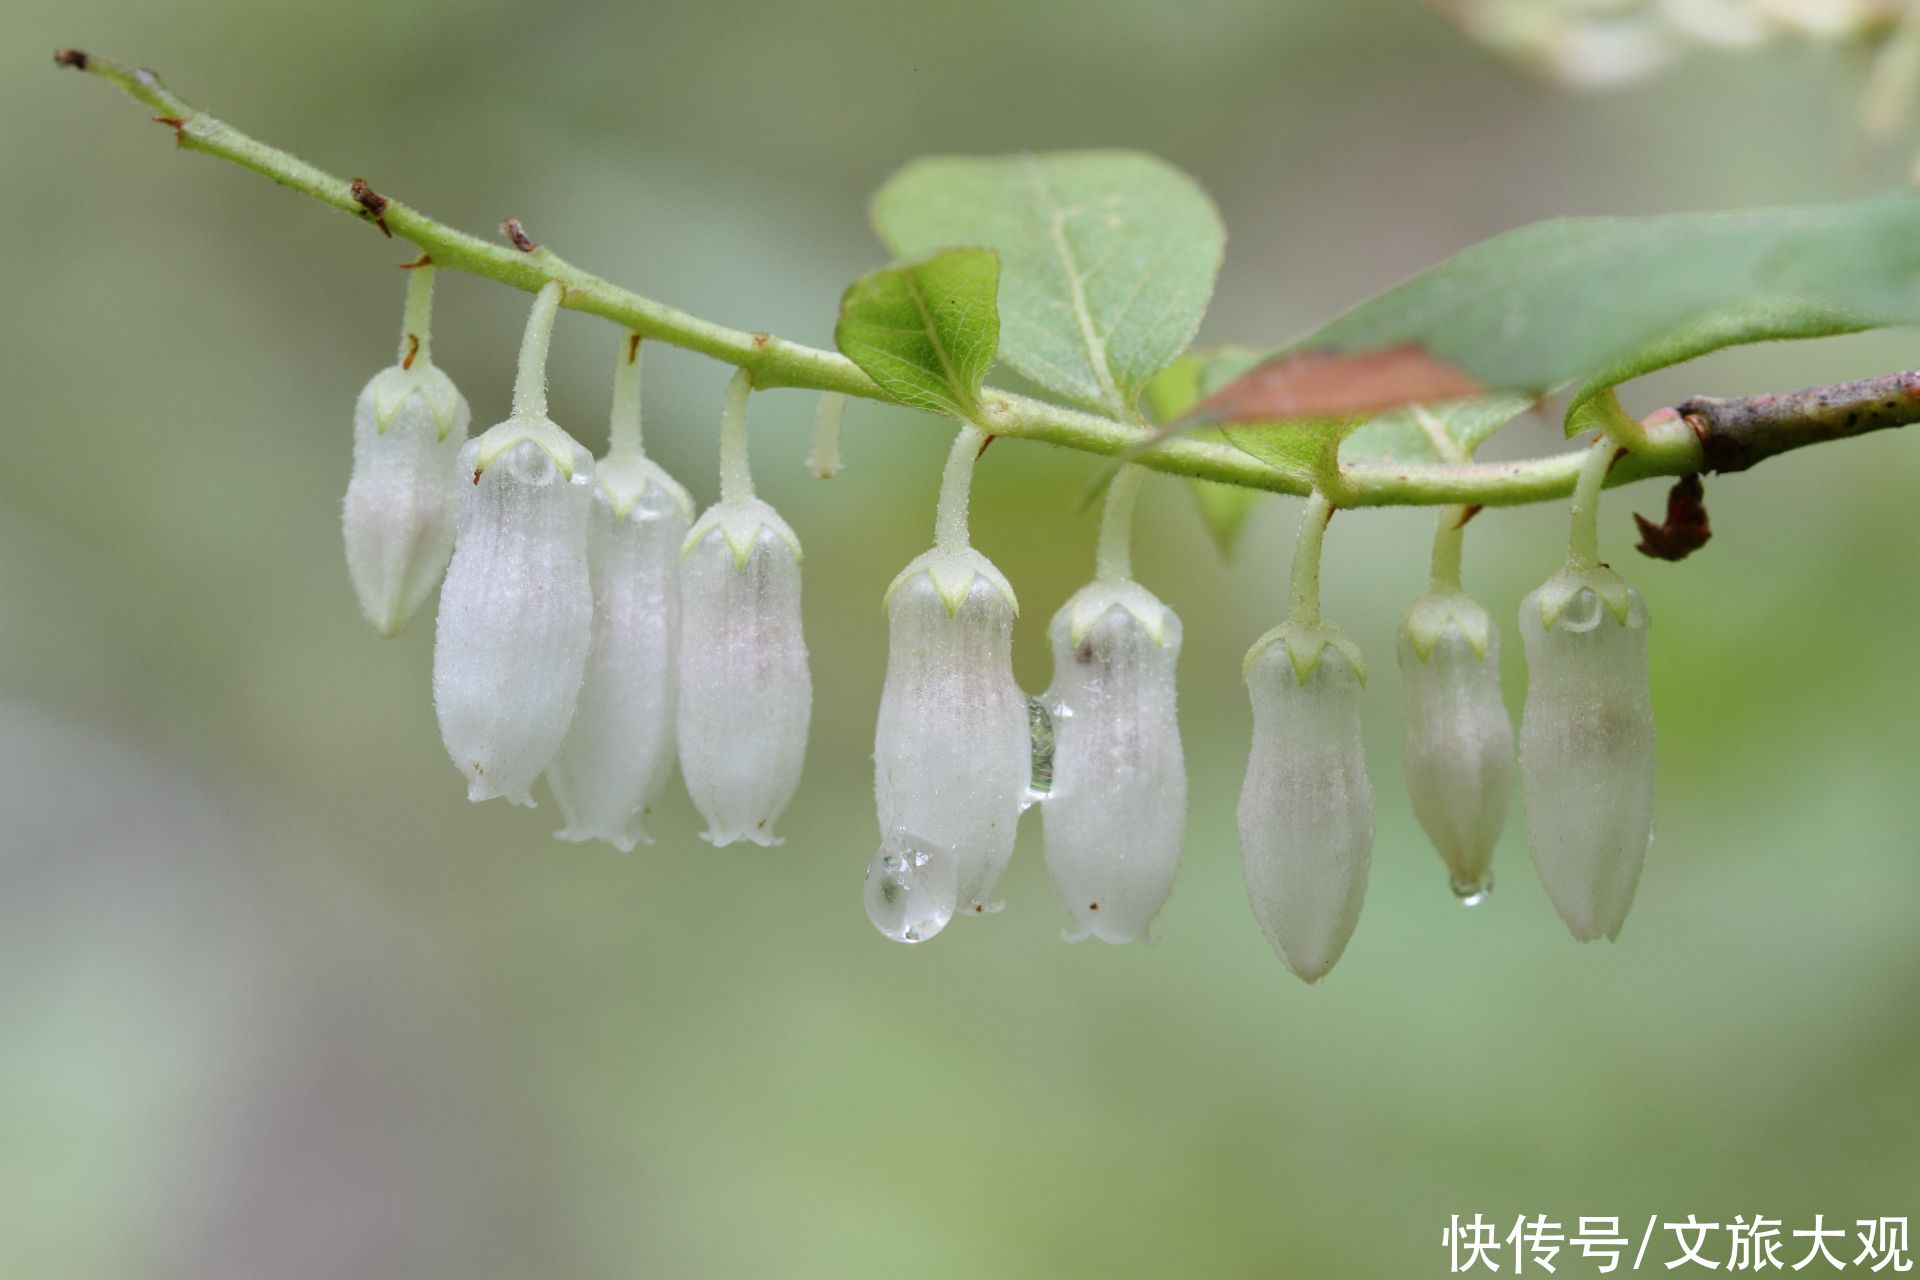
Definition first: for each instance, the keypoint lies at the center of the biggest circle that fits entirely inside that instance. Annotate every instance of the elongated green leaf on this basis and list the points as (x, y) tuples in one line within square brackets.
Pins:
[(926, 331), (1224, 508), (1592, 302), (1108, 258)]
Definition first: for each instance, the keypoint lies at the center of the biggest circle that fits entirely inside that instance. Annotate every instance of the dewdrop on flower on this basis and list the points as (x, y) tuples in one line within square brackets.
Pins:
[(951, 752), (745, 693), (619, 750), (516, 611), (1306, 808), (403, 498), (1586, 733), (1458, 749), (1115, 816)]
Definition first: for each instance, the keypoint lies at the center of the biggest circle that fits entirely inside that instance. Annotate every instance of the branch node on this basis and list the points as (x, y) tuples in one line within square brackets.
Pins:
[(75, 58), (513, 231), (373, 202), (760, 340)]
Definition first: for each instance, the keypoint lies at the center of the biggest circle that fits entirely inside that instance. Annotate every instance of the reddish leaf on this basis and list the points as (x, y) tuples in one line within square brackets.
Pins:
[(1330, 384)]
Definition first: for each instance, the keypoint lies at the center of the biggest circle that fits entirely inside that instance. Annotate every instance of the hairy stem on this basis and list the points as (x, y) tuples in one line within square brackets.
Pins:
[(956, 486), (623, 428), (1583, 544), (1113, 558), (736, 477), (1304, 601), (530, 382), (1671, 447), (416, 327)]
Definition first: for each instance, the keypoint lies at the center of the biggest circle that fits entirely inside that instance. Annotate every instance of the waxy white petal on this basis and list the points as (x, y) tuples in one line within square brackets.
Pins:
[(403, 499), (1306, 808), (1587, 753), (516, 612), (621, 746), (1115, 818), (1458, 749), (745, 693), (952, 756)]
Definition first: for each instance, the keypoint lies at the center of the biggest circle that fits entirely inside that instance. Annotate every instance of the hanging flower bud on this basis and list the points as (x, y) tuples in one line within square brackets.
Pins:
[(1586, 732), (1306, 808), (1115, 816), (951, 752), (1586, 746), (620, 747), (404, 494), (745, 693), (1458, 750), (516, 612)]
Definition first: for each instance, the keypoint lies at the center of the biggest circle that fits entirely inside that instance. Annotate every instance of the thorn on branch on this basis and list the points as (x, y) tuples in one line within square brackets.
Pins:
[(75, 58), (373, 202), (1685, 530), (1468, 512), (633, 347), (424, 260), (513, 231), (983, 446)]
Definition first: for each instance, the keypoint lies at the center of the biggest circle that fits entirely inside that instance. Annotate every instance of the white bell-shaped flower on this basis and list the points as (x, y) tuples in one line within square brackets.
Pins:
[(1586, 746), (516, 611), (1306, 808), (620, 747), (1458, 749), (952, 758), (1115, 815), (1586, 732), (403, 498), (745, 693), (951, 750)]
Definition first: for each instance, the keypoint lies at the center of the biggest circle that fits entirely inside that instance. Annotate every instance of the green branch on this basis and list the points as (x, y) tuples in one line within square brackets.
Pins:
[(1672, 445)]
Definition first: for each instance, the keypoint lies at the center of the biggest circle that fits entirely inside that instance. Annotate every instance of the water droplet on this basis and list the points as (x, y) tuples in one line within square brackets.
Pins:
[(1471, 892), (1040, 718), (911, 888)]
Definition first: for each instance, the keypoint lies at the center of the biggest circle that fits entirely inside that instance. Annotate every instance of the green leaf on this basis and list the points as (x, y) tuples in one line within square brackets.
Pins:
[(1108, 258), (1595, 301), (926, 331), (1409, 435), (1224, 508)]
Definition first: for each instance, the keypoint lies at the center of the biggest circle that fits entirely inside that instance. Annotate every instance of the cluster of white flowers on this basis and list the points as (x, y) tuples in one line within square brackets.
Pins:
[(591, 630), (1591, 44), (570, 590)]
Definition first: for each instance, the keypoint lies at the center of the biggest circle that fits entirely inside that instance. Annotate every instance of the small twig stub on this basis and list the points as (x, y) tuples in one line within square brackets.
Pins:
[(373, 202), (1685, 529)]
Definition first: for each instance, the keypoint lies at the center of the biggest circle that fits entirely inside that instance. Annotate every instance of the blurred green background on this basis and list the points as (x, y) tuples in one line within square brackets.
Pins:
[(276, 1001)]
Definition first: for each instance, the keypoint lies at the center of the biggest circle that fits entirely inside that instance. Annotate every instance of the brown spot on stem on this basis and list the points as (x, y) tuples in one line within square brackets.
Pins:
[(372, 202), (1336, 384), (75, 58), (513, 231), (1685, 530), (422, 261), (762, 339), (1093, 906), (633, 347), (1467, 513), (413, 349), (174, 123), (983, 446)]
